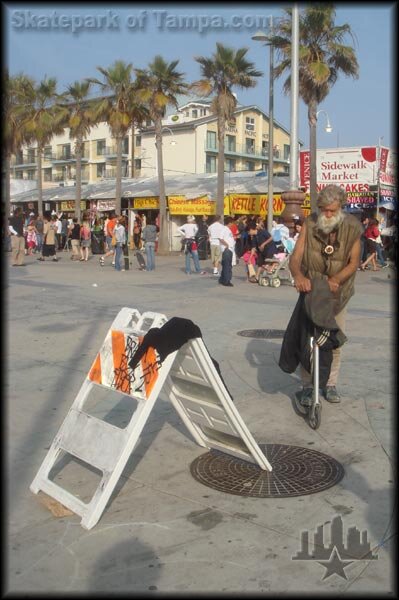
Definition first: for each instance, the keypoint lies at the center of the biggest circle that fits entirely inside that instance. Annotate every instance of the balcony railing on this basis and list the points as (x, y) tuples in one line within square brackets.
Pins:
[(244, 150), (111, 173), (110, 152), (21, 161), (66, 157)]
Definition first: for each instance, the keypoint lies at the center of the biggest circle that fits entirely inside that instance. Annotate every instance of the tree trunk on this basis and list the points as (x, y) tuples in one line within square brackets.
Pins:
[(312, 116), (78, 194), (118, 182), (7, 200), (132, 154), (163, 244), (220, 171), (39, 181)]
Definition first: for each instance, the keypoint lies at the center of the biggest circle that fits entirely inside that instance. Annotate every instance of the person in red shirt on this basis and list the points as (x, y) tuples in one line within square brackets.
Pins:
[(371, 234), (109, 234)]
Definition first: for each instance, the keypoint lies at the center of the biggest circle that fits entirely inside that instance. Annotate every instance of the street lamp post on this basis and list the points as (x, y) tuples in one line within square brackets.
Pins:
[(378, 176), (263, 37), (328, 127)]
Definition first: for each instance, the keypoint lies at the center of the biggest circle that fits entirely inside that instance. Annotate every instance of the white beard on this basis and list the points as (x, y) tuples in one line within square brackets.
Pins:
[(326, 225)]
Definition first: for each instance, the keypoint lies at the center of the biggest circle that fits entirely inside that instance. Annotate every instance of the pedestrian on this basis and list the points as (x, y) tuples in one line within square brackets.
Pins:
[(262, 245), (39, 233), (297, 229), (202, 238), (227, 243), (119, 234), (64, 231), (149, 236), (74, 233), (16, 228), (109, 248), (189, 230), (371, 234), (31, 238), (328, 248), (137, 232), (215, 233), (85, 241), (58, 222), (50, 238)]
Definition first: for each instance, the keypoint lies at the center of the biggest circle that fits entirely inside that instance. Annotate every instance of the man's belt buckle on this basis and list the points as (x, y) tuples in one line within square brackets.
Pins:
[(329, 249)]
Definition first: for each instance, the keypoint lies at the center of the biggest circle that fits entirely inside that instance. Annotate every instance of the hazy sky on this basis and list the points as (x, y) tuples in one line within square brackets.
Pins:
[(39, 41)]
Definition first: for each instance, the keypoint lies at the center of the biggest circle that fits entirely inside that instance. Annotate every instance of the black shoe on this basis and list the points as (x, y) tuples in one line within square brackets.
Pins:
[(228, 284), (331, 395), (305, 397)]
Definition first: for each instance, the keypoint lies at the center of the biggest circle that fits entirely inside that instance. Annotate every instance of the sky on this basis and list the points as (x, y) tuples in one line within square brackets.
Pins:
[(68, 41)]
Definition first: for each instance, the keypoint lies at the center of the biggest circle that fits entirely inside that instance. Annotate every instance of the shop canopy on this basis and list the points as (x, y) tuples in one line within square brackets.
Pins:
[(189, 185)]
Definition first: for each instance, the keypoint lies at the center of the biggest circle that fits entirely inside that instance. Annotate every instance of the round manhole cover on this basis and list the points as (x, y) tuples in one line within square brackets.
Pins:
[(262, 333), (296, 472)]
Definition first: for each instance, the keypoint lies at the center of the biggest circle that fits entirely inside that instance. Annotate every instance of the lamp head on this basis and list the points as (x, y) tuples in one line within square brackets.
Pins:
[(260, 36)]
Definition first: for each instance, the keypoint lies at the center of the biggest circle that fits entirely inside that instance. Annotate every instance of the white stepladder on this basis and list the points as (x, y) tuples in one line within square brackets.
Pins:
[(188, 377)]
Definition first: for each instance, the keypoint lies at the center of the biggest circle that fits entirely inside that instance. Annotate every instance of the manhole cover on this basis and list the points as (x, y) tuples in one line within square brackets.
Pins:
[(296, 472), (262, 333)]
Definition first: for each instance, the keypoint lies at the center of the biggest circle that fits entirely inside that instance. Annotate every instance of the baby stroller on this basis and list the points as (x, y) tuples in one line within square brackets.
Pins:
[(275, 270)]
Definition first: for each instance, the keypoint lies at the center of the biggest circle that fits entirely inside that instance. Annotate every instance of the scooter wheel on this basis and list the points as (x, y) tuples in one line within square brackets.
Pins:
[(276, 282), (301, 409), (315, 416), (263, 281)]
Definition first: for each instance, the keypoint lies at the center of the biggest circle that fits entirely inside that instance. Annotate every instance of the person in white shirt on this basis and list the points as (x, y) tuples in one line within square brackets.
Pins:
[(227, 242), (189, 231), (215, 233)]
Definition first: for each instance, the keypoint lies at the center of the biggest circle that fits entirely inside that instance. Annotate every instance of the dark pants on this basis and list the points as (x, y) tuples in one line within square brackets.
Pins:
[(227, 267)]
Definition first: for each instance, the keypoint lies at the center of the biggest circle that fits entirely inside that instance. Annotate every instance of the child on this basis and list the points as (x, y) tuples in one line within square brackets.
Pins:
[(31, 238)]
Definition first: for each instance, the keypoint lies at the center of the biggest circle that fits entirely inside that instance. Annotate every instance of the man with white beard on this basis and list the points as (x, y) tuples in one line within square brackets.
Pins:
[(328, 247)]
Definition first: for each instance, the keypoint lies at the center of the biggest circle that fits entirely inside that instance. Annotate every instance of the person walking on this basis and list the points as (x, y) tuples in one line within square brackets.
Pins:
[(85, 241), (227, 242), (189, 231), (149, 236), (119, 233), (74, 230), (110, 226), (16, 229), (328, 247), (215, 233), (50, 239)]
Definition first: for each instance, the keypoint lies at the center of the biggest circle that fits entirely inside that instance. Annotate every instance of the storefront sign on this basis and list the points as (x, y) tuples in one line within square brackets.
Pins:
[(353, 169), (104, 205), (388, 165), (70, 205), (254, 204), (196, 206), (147, 203)]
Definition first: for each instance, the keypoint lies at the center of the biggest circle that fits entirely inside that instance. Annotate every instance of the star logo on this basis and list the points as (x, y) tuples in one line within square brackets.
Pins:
[(335, 565)]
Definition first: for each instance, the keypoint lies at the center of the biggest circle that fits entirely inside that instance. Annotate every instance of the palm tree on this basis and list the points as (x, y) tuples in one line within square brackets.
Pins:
[(14, 135), (226, 68), (138, 114), (322, 57), (115, 109), (159, 85), (81, 119), (43, 118)]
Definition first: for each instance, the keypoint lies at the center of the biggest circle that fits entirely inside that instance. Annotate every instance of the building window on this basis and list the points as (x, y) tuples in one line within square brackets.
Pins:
[(250, 123), (47, 153), (66, 151), (100, 147), (138, 141), (148, 122), (19, 175), (230, 164), (230, 143), (31, 156), (210, 164), (31, 174), (287, 149), (265, 167), (137, 164), (265, 148), (101, 170), (125, 145), (187, 113), (211, 140), (48, 175), (249, 146), (249, 165), (194, 113)]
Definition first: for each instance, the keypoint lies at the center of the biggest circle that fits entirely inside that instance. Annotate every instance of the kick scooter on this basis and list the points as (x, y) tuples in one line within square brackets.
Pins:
[(313, 411)]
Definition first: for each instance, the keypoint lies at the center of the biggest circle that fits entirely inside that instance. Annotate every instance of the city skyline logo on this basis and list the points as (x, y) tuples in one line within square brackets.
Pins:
[(336, 556)]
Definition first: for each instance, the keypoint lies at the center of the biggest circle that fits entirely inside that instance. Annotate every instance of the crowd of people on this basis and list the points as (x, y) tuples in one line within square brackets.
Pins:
[(225, 242)]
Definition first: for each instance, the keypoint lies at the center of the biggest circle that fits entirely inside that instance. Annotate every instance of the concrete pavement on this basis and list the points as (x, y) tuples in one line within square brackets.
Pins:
[(163, 531)]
